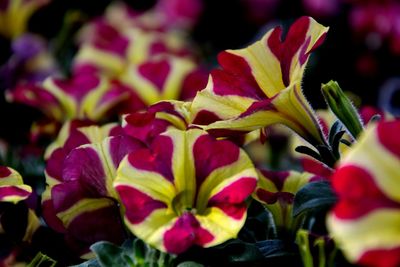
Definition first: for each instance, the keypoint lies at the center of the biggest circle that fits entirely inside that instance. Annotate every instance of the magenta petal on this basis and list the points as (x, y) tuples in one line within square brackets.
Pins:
[(120, 146), (98, 225), (231, 199), (7, 191), (186, 232), (388, 135), (358, 193), (109, 38), (156, 72), (79, 85), (210, 154), (55, 163), (4, 172), (84, 165), (235, 78), (138, 204), (50, 216), (157, 159)]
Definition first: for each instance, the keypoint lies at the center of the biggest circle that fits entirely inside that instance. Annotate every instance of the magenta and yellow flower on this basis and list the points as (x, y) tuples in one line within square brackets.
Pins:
[(261, 85), (80, 200), (163, 78), (18, 223), (109, 49), (365, 221), (276, 191), (186, 189), (12, 187), (84, 96), (165, 15)]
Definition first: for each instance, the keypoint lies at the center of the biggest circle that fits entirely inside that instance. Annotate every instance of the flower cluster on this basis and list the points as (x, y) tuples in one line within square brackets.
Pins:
[(175, 172)]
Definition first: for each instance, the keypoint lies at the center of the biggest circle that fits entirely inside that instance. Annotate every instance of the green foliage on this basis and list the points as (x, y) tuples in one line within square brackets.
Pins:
[(315, 251), (342, 107), (41, 260), (313, 196), (131, 254)]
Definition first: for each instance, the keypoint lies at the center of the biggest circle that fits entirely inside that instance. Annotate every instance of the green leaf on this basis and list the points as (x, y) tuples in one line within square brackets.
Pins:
[(313, 196), (308, 151), (241, 252), (139, 250), (336, 127), (109, 254), (344, 141), (41, 260), (190, 264), (272, 248), (327, 156), (302, 240), (335, 143)]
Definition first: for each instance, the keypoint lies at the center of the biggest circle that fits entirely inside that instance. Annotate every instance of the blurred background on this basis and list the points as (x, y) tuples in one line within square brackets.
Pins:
[(361, 52)]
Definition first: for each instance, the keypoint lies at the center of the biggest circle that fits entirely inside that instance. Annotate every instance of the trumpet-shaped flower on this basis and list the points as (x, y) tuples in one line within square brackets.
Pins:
[(162, 78), (18, 223), (80, 191), (84, 96), (365, 221), (165, 15), (12, 187), (276, 191), (70, 137), (261, 85), (186, 189), (13, 190), (109, 49), (14, 15)]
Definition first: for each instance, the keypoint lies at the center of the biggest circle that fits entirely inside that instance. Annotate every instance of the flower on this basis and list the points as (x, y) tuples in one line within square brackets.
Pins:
[(186, 189), (163, 78), (276, 191), (18, 222), (80, 193), (165, 15), (12, 187), (365, 221), (261, 85), (84, 96)]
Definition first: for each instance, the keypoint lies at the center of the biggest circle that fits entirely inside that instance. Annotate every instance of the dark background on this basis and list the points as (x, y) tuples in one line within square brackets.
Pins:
[(345, 56)]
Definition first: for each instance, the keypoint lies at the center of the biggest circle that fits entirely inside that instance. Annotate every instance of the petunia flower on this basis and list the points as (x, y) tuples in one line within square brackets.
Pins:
[(18, 222), (165, 15), (84, 96), (108, 49), (276, 191), (71, 136), (186, 189), (14, 15), (163, 78), (261, 85), (80, 194), (12, 187), (365, 221)]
